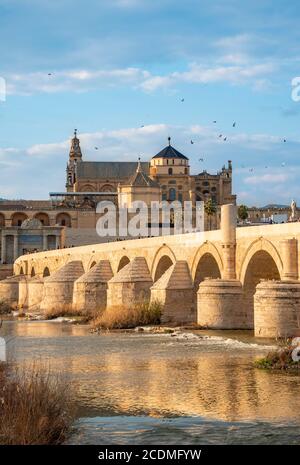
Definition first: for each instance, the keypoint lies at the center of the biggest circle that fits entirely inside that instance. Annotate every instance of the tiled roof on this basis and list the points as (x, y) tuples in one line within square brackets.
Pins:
[(170, 152), (107, 170)]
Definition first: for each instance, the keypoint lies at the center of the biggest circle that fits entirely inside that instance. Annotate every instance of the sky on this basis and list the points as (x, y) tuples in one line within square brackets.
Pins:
[(129, 73)]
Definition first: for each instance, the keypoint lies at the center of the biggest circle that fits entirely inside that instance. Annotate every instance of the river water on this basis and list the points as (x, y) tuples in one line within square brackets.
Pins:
[(141, 388)]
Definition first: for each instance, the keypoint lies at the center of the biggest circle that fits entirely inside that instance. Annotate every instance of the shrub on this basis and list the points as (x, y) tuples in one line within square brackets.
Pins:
[(35, 406), (129, 317), (280, 359)]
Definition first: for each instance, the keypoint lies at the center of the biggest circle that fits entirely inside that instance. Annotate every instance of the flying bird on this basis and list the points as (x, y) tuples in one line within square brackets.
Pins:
[(201, 159), (49, 74), (225, 138), (96, 148), (284, 140), (142, 126), (234, 124), (220, 135), (251, 170), (214, 121), (192, 141), (283, 163), (182, 100)]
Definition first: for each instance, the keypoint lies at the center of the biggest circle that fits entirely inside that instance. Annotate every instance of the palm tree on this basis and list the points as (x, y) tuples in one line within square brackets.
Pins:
[(210, 209), (243, 212)]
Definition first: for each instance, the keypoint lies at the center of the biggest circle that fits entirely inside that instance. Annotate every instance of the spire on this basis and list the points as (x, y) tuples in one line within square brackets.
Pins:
[(75, 151), (139, 166), (169, 140)]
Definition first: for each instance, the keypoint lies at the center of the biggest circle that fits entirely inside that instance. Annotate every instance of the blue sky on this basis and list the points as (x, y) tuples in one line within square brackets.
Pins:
[(117, 65)]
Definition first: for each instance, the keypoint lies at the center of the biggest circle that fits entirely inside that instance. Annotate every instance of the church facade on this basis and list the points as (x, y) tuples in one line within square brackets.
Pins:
[(73, 211)]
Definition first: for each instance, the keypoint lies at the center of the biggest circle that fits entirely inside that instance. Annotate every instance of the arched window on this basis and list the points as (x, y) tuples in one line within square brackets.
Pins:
[(172, 194), (63, 219), (185, 171), (170, 171), (43, 218), (18, 218)]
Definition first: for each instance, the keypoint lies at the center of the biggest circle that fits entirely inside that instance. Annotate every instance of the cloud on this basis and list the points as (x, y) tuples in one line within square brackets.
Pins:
[(72, 80), (198, 74), (267, 178), (82, 80)]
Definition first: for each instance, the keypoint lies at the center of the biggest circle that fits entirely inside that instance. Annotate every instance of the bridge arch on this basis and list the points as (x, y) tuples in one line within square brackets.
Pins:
[(32, 273), (163, 259), (256, 246), (261, 261), (46, 272), (207, 263), (92, 264), (123, 262)]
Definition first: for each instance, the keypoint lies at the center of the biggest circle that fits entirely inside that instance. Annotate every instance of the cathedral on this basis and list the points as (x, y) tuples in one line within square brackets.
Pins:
[(68, 218)]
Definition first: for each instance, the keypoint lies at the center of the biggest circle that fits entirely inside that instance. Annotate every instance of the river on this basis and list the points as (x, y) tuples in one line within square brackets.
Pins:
[(141, 388)]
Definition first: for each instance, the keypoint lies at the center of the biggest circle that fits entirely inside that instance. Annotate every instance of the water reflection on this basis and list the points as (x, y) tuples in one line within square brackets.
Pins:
[(158, 375)]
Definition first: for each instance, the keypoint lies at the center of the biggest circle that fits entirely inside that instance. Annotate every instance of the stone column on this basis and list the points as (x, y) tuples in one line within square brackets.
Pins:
[(289, 254), (228, 233), (16, 245), (3, 248)]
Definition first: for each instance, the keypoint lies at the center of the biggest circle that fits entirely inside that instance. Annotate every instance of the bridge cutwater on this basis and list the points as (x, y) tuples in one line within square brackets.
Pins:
[(231, 278)]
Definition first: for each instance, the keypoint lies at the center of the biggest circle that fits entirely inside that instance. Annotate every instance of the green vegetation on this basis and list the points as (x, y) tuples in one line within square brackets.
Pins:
[(280, 359), (35, 406), (210, 210), (129, 317), (243, 212)]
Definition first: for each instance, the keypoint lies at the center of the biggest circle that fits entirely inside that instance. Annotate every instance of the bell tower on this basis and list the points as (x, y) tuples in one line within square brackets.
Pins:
[(75, 156)]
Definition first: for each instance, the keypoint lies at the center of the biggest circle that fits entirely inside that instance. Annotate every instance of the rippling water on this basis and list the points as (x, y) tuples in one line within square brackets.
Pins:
[(141, 388)]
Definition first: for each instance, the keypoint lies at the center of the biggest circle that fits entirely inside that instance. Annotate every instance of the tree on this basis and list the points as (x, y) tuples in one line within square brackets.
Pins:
[(210, 209), (243, 212)]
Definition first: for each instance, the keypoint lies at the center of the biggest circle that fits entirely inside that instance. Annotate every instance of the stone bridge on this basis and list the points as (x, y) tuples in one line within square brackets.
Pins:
[(232, 278)]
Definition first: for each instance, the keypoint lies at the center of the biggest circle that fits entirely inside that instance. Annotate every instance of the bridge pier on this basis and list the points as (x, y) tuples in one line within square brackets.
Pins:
[(220, 304), (277, 309), (30, 293), (90, 290), (58, 288), (9, 290), (174, 291), (131, 285)]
